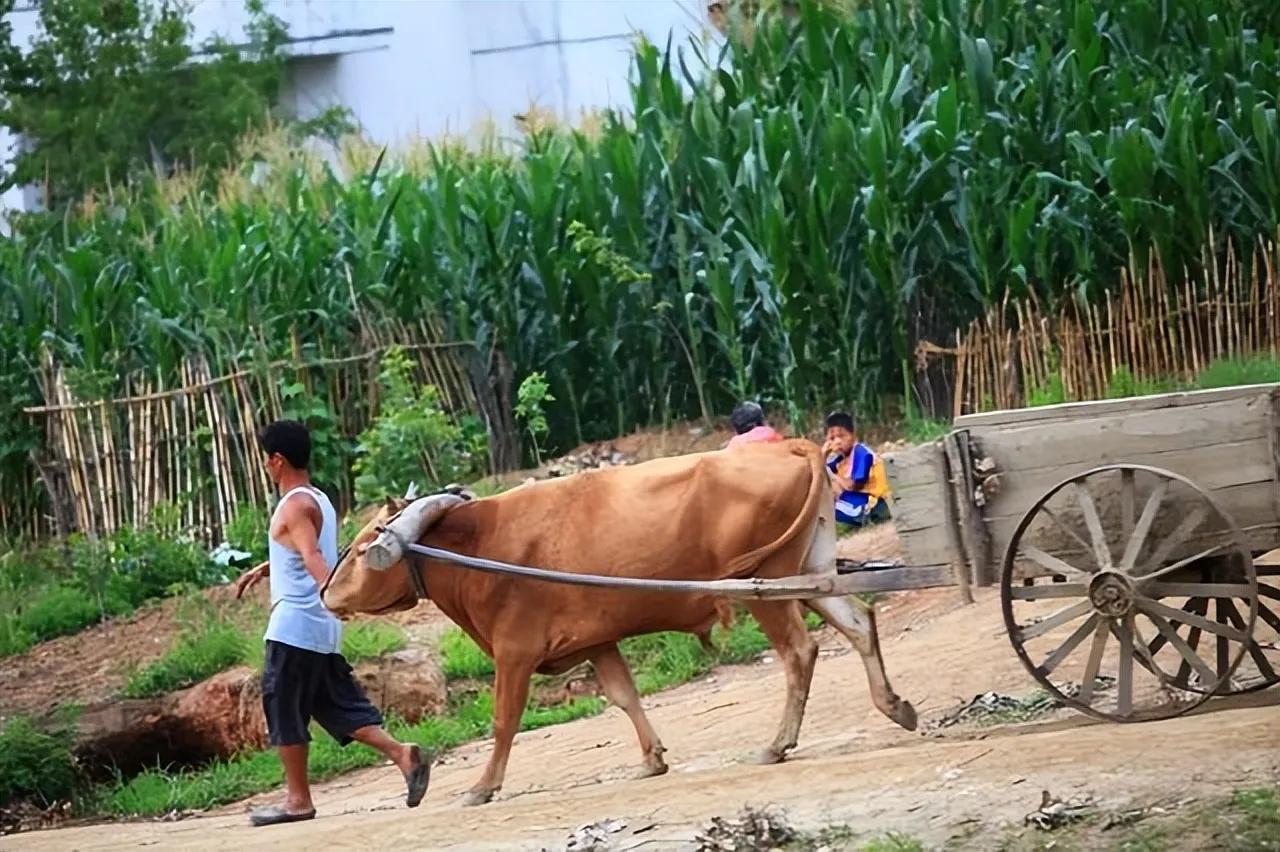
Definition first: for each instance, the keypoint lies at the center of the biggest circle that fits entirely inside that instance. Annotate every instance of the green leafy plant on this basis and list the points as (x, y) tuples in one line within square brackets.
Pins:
[(329, 450), (532, 394), (411, 440), (36, 764)]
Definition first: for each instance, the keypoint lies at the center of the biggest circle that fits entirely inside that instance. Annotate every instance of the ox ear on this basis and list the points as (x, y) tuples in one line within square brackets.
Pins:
[(392, 504), (411, 493)]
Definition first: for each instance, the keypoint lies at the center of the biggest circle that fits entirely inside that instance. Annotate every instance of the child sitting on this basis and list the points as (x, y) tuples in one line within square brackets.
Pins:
[(748, 423), (858, 474)]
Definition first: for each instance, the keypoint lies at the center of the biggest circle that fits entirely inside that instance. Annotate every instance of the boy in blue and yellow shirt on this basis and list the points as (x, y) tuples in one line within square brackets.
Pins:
[(858, 473)]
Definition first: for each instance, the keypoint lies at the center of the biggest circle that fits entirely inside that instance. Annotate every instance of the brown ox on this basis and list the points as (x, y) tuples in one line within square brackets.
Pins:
[(762, 511)]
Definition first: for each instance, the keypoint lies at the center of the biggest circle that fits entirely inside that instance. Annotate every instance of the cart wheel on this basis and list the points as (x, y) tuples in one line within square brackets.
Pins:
[(1107, 586)]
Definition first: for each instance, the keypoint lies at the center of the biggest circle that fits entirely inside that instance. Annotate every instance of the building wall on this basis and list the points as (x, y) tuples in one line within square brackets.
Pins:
[(410, 68)]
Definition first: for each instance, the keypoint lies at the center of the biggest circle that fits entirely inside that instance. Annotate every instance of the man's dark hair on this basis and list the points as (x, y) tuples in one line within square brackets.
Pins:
[(290, 439), (840, 419), (746, 416)]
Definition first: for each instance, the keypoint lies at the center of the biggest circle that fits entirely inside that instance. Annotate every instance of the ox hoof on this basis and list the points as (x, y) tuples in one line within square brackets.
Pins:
[(649, 771), (477, 797), (904, 714), (768, 757)]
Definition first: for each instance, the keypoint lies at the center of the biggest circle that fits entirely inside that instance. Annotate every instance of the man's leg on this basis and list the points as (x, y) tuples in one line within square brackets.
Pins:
[(297, 789), (375, 736), (288, 686), (345, 712)]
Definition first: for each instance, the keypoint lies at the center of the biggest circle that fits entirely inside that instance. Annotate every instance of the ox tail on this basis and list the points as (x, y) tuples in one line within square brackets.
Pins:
[(818, 489)]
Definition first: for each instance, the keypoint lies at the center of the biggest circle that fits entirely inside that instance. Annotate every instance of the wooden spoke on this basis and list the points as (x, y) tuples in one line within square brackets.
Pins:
[(1269, 592), (1059, 618), (1183, 677), (1095, 661), (1051, 562), (1145, 657), (1188, 654), (1174, 539), (1064, 650), (1224, 646), (1138, 538), (1065, 528), (1183, 563), (1196, 605), (1049, 590), (1265, 669), (1128, 500), (1158, 589), (1155, 608), (1265, 613), (1124, 680), (1094, 523)]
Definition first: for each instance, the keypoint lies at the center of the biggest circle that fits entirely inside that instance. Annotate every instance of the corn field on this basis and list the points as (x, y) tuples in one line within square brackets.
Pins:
[(782, 215)]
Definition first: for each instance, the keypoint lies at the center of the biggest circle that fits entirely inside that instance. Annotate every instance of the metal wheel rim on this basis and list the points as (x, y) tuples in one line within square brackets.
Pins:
[(1237, 545)]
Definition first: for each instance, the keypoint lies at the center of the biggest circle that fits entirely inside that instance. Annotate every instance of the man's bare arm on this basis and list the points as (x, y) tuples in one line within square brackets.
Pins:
[(302, 520)]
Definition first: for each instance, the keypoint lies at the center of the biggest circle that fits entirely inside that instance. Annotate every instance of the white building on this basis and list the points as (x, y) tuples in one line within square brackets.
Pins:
[(410, 68)]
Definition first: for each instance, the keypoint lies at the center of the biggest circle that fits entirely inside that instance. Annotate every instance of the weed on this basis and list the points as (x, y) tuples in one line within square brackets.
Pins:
[(368, 640), (894, 842), (35, 764), (922, 430), (461, 658), (202, 650), (1228, 372), (1052, 391)]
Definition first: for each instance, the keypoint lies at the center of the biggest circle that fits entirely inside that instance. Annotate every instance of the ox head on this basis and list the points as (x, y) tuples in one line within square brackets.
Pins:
[(372, 574)]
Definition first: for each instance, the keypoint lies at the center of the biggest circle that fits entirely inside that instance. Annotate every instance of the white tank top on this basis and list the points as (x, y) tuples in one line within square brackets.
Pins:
[(298, 616)]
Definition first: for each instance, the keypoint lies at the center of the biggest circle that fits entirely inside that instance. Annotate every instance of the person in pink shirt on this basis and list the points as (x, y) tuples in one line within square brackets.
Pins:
[(748, 422)]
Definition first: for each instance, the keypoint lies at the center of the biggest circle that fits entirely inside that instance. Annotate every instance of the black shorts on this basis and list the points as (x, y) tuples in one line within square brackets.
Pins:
[(300, 685)]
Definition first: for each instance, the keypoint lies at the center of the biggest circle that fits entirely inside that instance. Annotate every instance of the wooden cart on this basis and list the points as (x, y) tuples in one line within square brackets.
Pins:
[(1125, 537)]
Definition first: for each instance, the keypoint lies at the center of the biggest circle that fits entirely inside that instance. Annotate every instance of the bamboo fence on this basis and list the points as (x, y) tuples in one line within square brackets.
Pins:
[(190, 441), (1156, 331)]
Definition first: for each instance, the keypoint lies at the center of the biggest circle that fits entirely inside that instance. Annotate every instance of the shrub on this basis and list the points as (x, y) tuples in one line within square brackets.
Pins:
[(58, 612), (35, 764), (412, 439)]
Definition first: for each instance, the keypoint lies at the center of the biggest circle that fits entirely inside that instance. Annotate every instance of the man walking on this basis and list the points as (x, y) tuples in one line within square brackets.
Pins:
[(305, 676)]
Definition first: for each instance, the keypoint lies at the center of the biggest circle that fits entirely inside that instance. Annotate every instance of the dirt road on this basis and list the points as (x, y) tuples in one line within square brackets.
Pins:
[(853, 767)]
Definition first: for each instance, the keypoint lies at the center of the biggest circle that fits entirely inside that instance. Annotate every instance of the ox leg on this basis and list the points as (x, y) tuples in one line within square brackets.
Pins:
[(615, 678), (783, 624), (510, 694), (859, 627)]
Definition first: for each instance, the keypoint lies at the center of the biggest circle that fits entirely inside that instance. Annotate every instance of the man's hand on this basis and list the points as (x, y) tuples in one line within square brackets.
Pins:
[(829, 448), (251, 578)]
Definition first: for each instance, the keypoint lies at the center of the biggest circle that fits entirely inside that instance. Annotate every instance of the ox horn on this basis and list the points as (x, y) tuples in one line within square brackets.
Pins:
[(388, 548)]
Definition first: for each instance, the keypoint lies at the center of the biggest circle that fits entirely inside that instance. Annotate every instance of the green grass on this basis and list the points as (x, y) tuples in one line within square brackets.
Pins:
[(922, 430), (461, 658), (894, 842), (200, 652), (368, 640), (35, 763), (1227, 372)]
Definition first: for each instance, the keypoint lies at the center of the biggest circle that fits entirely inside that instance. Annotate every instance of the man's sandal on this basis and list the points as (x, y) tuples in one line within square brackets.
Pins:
[(276, 815)]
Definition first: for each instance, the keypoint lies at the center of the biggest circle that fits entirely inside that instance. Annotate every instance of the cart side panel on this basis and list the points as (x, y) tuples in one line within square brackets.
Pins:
[(921, 508), (1221, 440)]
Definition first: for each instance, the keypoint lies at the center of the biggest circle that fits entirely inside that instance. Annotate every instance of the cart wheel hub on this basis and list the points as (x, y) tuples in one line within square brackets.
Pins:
[(1111, 594)]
